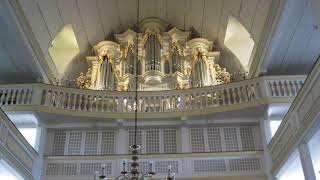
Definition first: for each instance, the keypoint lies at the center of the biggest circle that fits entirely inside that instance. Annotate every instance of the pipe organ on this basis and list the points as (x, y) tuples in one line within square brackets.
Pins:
[(163, 59)]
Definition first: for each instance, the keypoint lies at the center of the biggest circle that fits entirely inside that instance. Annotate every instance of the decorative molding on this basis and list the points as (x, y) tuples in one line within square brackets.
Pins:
[(300, 118), (17, 151), (183, 166)]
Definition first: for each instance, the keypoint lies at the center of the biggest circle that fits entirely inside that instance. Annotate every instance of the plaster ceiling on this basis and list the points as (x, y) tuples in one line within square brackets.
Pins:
[(96, 20)]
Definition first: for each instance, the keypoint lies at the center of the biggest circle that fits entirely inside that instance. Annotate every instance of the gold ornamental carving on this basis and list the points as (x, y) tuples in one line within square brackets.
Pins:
[(168, 77)]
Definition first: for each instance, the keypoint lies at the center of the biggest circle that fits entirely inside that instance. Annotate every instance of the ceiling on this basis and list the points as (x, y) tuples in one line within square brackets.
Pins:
[(97, 20), (295, 45), (293, 48), (16, 59)]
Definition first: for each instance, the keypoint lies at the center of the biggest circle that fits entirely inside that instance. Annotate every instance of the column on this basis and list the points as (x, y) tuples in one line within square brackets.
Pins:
[(184, 140), (306, 162), (264, 131), (36, 95), (122, 142), (38, 166)]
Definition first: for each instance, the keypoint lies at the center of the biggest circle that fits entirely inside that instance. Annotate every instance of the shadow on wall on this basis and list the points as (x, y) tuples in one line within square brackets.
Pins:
[(230, 61)]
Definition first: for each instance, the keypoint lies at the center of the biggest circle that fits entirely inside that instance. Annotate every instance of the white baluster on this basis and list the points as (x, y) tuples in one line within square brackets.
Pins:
[(68, 106), (221, 98), (74, 100), (239, 93), (182, 104), (80, 102), (272, 87)]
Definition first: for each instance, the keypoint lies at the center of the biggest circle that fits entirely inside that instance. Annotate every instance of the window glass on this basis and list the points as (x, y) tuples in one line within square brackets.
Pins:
[(292, 169), (30, 134), (7, 172), (274, 125)]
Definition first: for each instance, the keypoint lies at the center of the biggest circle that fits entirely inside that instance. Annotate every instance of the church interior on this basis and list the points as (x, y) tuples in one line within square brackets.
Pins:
[(159, 89)]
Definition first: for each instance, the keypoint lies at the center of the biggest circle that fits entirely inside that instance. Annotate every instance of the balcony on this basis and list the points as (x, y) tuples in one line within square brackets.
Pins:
[(299, 124), (159, 104), (185, 165)]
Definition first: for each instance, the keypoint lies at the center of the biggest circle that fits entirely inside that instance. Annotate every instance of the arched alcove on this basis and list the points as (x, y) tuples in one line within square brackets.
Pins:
[(63, 49), (239, 42)]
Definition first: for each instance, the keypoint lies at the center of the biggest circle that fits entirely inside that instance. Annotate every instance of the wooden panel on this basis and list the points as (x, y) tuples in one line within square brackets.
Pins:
[(230, 7), (109, 14), (6, 63), (175, 13), (296, 51), (91, 20), (195, 14), (213, 11), (313, 51), (51, 15), (285, 32), (128, 13), (70, 15), (37, 23), (247, 12), (152, 8), (259, 20)]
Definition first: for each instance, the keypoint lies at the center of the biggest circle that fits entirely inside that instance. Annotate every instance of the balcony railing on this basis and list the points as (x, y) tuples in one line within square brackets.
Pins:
[(183, 165), (173, 103)]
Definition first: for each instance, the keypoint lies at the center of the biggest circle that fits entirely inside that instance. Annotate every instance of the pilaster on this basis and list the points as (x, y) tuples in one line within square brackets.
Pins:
[(306, 161)]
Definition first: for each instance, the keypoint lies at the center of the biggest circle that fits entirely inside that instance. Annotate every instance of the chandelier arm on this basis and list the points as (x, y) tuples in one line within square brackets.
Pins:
[(136, 81)]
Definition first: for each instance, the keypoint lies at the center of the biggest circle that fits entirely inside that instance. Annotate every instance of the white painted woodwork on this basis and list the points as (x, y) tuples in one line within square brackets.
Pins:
[(300, 119), (173, 103)]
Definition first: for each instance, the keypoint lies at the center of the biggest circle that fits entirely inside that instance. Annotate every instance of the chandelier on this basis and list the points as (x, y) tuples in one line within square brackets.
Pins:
[(134, 173)]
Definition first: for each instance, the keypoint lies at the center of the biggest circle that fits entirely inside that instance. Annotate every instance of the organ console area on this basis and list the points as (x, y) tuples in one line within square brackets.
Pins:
[(164, 59)]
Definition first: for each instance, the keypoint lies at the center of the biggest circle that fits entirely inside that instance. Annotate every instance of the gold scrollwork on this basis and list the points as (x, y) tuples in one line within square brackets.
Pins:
[(149, 33), (222, 75), (176, 47), (129, 47), (84, 80)]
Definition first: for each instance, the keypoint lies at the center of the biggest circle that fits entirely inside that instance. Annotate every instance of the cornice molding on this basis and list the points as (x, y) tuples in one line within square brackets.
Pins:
[(299, 120)]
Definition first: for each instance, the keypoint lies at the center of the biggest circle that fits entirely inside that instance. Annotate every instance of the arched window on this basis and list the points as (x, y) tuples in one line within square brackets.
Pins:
[(166, 67), (239, 42), (64, 48), (152, 50)]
